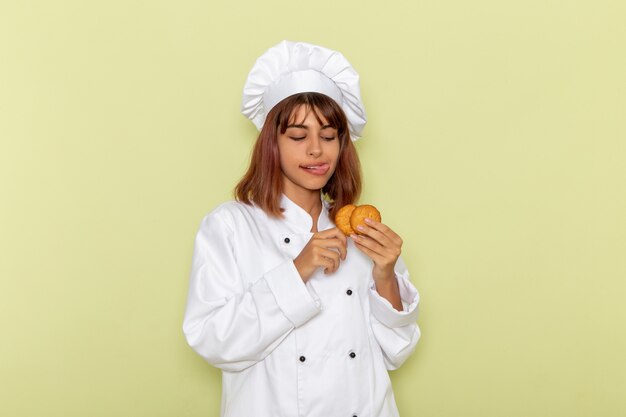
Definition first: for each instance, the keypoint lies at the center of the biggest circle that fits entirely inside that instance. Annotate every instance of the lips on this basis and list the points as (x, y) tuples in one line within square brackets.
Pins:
[(316, 169)]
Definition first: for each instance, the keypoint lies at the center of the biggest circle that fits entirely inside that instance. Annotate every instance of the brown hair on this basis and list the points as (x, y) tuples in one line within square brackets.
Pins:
[(262, 183)]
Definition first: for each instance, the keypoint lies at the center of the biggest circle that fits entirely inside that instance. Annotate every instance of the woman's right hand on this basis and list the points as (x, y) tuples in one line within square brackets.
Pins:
[(325, 250)]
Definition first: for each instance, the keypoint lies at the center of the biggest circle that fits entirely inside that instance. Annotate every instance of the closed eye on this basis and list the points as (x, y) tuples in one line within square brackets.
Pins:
[(297, 138)]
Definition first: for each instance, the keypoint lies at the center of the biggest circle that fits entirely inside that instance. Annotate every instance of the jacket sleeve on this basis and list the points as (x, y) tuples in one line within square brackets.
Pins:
[(231, 325), (395, 331)]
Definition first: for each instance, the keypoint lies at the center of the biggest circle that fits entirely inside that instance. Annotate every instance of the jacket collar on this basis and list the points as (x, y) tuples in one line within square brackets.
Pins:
[(299, 219)]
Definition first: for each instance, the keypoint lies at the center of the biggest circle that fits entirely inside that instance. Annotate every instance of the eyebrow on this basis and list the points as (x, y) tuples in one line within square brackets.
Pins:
[(306, 127)]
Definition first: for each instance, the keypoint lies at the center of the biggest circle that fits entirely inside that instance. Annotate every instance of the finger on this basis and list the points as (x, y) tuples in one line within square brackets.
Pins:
[(388, 254), (341, 237), (331, 233), (384, 229), (380, 243), (331, 268), (373, 255), (379, 260), (378, 236), (338, 244), (369, 243), (327, 265), (325, 255), (319, 260), (342, 248)]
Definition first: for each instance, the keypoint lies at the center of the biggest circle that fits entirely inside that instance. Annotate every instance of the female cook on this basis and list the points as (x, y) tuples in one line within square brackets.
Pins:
[(302, 320)]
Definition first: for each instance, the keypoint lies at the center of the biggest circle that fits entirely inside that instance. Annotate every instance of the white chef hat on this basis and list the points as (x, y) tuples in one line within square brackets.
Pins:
[(297, 67)]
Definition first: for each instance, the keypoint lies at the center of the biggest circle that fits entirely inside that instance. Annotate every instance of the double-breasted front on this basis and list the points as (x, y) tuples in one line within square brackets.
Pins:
[(286, 348)]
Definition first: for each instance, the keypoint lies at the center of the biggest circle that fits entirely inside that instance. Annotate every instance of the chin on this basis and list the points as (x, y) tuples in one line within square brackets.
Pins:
[(315, 187)]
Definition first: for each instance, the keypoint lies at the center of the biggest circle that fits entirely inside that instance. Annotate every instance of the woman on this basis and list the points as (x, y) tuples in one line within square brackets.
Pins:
[(301, 320)]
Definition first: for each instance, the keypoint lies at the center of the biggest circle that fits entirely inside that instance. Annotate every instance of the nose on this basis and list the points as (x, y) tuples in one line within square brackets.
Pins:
[(314, 147)]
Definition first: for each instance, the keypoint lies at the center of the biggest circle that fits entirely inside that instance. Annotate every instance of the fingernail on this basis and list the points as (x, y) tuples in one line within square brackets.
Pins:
[(354, 236), (360, 227), (368, 220)]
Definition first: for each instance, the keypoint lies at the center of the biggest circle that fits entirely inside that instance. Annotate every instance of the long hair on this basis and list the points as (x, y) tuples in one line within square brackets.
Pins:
[(262, 183)]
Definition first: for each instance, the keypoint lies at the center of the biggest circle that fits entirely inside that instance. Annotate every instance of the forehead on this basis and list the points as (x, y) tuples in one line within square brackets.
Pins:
[(307, 113)]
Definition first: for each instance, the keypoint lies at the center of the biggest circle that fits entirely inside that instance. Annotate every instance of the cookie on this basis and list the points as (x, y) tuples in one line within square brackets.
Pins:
[(350, 216), (342, 219), (359, 214)]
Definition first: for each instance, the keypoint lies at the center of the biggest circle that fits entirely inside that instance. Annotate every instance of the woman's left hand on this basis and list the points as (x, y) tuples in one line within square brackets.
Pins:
[(382, 245)]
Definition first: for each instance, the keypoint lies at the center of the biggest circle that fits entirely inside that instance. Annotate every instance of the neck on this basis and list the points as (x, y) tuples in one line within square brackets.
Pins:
[(309, 200)]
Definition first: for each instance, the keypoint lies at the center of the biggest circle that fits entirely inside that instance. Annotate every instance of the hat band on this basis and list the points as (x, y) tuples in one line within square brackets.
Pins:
[(307, 81)]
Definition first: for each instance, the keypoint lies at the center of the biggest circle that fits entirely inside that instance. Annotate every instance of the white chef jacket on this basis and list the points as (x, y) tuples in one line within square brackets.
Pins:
[(286, 348)]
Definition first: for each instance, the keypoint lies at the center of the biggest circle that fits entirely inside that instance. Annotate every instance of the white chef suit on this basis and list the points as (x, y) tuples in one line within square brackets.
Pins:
[(286, 348)]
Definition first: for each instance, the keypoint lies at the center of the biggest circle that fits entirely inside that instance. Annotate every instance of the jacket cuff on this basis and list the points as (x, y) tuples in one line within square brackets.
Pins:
[(291, 294), (384, 312)]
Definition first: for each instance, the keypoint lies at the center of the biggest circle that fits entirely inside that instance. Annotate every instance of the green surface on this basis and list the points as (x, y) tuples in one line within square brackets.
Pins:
[(495, 146)]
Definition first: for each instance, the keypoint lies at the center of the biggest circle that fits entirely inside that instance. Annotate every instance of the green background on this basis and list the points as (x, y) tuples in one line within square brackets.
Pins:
[(496, 147)]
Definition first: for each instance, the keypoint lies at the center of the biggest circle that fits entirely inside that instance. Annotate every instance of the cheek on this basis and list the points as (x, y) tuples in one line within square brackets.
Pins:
[(283, 155), (333, 150), (284, 163)]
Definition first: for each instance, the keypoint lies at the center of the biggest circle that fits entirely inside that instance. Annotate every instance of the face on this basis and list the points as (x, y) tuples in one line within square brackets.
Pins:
[(308, 153)]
